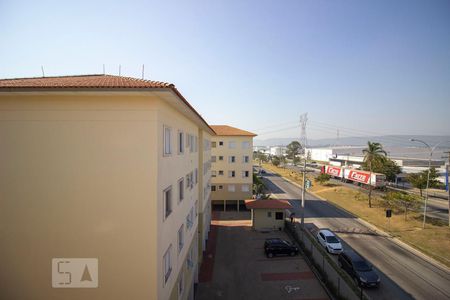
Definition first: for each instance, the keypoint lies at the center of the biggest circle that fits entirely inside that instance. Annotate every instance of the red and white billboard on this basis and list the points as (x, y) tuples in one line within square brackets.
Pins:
[(359, 176), (333, 171)]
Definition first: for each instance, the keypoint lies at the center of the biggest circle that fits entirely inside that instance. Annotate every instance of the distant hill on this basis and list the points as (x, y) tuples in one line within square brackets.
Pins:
[(385, 140)]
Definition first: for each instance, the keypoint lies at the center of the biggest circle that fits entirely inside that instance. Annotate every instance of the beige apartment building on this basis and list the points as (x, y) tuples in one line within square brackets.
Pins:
[(232, 169), (105, 188)]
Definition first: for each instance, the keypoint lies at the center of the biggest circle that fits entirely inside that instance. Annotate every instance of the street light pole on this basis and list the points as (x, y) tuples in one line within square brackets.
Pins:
[(303, 194), (428, 177)]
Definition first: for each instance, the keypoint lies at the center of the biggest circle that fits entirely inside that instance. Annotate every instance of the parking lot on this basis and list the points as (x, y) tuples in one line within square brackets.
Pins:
[(236, 267)]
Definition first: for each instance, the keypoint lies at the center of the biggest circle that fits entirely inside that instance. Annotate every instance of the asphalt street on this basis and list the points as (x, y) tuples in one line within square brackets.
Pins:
[(404, 275), (436, 207)]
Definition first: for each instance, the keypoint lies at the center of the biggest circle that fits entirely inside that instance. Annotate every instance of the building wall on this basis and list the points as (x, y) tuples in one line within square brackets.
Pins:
[(226, 166), (83, 177), (262, 220)]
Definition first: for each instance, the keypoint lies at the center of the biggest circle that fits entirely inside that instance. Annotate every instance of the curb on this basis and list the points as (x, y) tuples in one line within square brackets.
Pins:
[(381, 232)]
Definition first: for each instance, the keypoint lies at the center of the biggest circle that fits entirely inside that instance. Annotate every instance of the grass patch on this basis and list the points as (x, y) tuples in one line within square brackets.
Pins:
[(434, 240)]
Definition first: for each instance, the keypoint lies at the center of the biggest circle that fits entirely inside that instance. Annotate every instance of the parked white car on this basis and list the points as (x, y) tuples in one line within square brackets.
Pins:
[(329, 241)]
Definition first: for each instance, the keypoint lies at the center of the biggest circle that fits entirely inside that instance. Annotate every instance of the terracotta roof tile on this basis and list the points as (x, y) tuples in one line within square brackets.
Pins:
[(268, 204), (230, 131), (82, 81)]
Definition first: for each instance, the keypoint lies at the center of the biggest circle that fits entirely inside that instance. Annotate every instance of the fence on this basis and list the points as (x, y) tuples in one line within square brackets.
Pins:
[(339, 283)]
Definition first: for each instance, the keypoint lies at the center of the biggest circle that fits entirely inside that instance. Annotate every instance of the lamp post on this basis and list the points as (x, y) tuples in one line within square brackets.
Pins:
[(428, 176)]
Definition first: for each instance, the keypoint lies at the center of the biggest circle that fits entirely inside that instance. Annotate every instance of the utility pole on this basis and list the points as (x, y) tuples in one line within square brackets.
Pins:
[(447, 170)]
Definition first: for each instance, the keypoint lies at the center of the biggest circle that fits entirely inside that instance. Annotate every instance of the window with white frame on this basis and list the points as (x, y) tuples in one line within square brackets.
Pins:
[(181, 285), (220, 172), (231, 144), (180, 190), (190, 219), (245, 145), (231, 174), (245, 188), (245, 174), (167, 195), (190, 259), (167, 140), (231, 188), (180, 142), (213, 173), (220, 157), (167, 263), (220, 143), (180, 238), (196, 208), (245, 159), (231, 159), (220, 187)]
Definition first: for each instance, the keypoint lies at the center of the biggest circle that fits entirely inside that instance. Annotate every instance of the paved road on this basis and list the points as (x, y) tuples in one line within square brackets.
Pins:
[(436, 207), (404, 275)]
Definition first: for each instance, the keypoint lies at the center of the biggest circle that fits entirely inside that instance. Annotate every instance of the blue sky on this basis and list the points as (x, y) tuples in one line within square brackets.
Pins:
[(365, 67)]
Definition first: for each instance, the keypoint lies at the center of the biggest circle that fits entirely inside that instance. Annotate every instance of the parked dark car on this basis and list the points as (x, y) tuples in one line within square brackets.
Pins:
[(277, 246), (358, 268)]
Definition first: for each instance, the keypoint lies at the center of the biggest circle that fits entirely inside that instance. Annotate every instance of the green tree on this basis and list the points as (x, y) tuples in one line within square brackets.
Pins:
[(384, 166), (372, 153), (419, 180), (293, 149), (276, 161), (322, 178), (404, 200)]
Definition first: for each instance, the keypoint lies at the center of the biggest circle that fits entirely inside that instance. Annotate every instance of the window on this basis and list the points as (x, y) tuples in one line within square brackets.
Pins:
[(279, 215), (245, 159), (220, 187), (195, 208), (167, 202), (181, 285), (180, 142), (245, 145), (213, 188), (231, 159), (220, 143), (213, 144), (213, 173), (191, 143), (167, 263), (180, 190), (180, 238), (220, 172), (190, 180), (269, 214), (190, 219), (245, 174), (231, 188), (232, 145), (213, 158), (190, 259), (195, 176), (167, 140), (220, 157), (245, 188), (231, 173)]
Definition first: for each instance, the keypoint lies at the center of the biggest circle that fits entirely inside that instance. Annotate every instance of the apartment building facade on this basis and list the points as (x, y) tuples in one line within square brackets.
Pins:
[(109, 168), (231, 174)]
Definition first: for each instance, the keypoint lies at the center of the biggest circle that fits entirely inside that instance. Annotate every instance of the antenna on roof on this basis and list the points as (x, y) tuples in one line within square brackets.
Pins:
[(42, 69), (143, 69), (120, 69), (103, 69)]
